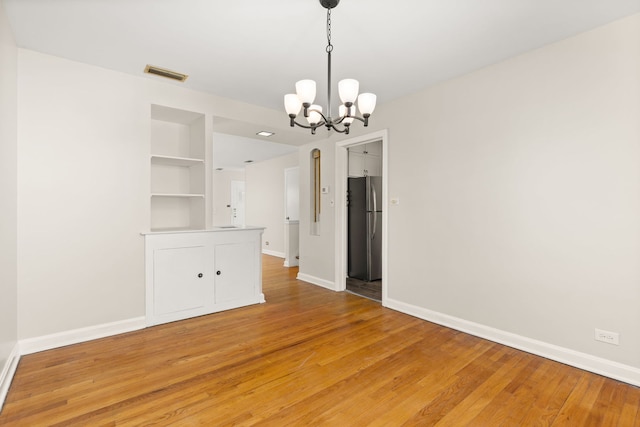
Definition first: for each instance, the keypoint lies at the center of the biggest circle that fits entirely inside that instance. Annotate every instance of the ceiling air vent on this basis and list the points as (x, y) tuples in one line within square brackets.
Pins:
[(150, 69)]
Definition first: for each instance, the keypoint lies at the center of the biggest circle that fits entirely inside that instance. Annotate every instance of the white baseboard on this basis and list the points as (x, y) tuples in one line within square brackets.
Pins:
[(47, 342), (598, 365), (290, 264), (7, 373), (316, 281), (273, 253)]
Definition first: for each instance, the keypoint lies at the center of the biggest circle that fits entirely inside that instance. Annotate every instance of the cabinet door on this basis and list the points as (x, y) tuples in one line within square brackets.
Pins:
[(180, 282), (236, 275), (373, 165), (373, 148), (356, 164), (358, 148)]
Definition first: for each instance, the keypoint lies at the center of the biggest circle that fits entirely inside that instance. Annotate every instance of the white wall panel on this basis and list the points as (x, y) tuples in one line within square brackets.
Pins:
[(265, 199), (8, 203), (519, 192)]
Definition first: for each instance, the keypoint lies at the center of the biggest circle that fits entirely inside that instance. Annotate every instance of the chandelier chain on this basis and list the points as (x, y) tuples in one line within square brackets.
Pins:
[(329, 45)]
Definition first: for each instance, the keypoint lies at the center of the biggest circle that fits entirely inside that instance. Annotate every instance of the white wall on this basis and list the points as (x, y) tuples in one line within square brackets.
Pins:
[(83, 173), (8, 198), (265, 199), (519, 215), (518, 188), (222, 195), (317, 251), (83, 181)]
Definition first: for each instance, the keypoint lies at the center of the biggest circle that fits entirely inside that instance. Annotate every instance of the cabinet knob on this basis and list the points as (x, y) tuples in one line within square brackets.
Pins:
[(200, 275), (218, 273)]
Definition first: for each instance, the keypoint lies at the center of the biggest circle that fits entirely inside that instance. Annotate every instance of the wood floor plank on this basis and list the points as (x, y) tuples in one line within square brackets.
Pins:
[(579, 404), (552, 393), (630, 414), (475, 402), (309, 356)]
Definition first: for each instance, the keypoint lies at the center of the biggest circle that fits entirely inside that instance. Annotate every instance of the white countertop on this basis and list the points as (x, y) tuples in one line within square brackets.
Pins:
[(221, 228)]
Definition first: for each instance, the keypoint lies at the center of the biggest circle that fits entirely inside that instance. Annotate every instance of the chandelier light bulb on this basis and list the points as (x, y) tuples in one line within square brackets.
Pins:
[(292, 104), (348, 90), (366, 103), (315, 114), (306, 90)]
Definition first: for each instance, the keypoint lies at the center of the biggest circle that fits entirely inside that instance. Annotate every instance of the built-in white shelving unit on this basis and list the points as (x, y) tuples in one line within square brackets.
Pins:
[(178, 171)]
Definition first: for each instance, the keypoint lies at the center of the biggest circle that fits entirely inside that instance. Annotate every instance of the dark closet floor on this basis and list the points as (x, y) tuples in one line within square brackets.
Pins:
[(371, 290)]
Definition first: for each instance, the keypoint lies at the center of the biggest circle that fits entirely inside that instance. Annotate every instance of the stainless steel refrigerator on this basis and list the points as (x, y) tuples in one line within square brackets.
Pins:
[(364, 199)]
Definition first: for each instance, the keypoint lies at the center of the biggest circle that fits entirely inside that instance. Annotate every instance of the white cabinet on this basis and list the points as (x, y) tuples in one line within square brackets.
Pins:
[(365, 160), (372, 148), (193, 273), (364, 165), (235, 268), (181, 280), (178, 184)]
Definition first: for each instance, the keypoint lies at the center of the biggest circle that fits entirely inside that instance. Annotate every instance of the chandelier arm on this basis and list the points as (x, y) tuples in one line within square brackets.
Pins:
[(357, 118), (324, 118), (329, 125), (317, 125), (333, 126)]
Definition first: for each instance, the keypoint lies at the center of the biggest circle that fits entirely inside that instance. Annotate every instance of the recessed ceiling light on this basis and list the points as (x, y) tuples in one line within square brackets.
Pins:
[(248, 161), (265, 133)]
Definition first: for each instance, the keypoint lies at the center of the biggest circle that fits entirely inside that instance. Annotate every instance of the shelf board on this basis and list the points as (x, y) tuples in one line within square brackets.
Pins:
[(183, 195), (175, 161)]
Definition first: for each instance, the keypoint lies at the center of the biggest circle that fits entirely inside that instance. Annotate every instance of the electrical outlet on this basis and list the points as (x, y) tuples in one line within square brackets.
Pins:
[(266, 243), (608, 337)]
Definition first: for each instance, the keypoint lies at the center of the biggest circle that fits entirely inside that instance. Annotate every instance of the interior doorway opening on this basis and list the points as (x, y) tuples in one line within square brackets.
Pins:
[(361, 268), (364, 220)]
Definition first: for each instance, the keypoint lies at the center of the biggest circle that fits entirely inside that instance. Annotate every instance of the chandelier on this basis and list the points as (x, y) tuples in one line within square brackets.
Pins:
[(347, 89)]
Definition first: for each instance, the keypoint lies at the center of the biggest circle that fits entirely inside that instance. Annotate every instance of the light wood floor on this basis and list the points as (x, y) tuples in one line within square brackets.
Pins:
[(308, 356)]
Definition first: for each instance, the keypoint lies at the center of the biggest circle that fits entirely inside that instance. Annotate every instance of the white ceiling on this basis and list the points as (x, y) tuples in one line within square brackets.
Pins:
[(255, 50), (235, 152)]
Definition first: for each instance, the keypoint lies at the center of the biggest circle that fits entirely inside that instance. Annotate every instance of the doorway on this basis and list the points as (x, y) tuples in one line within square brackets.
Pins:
[(364, 220), (292, 217), (358, 161)]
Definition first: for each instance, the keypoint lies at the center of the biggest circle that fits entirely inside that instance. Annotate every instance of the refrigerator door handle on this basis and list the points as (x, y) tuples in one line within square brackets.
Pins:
[(375, 211), (374, 196), (375, 224)]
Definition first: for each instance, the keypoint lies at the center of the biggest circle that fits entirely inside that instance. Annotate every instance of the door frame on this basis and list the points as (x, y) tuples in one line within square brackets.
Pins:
[(342, 173)]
